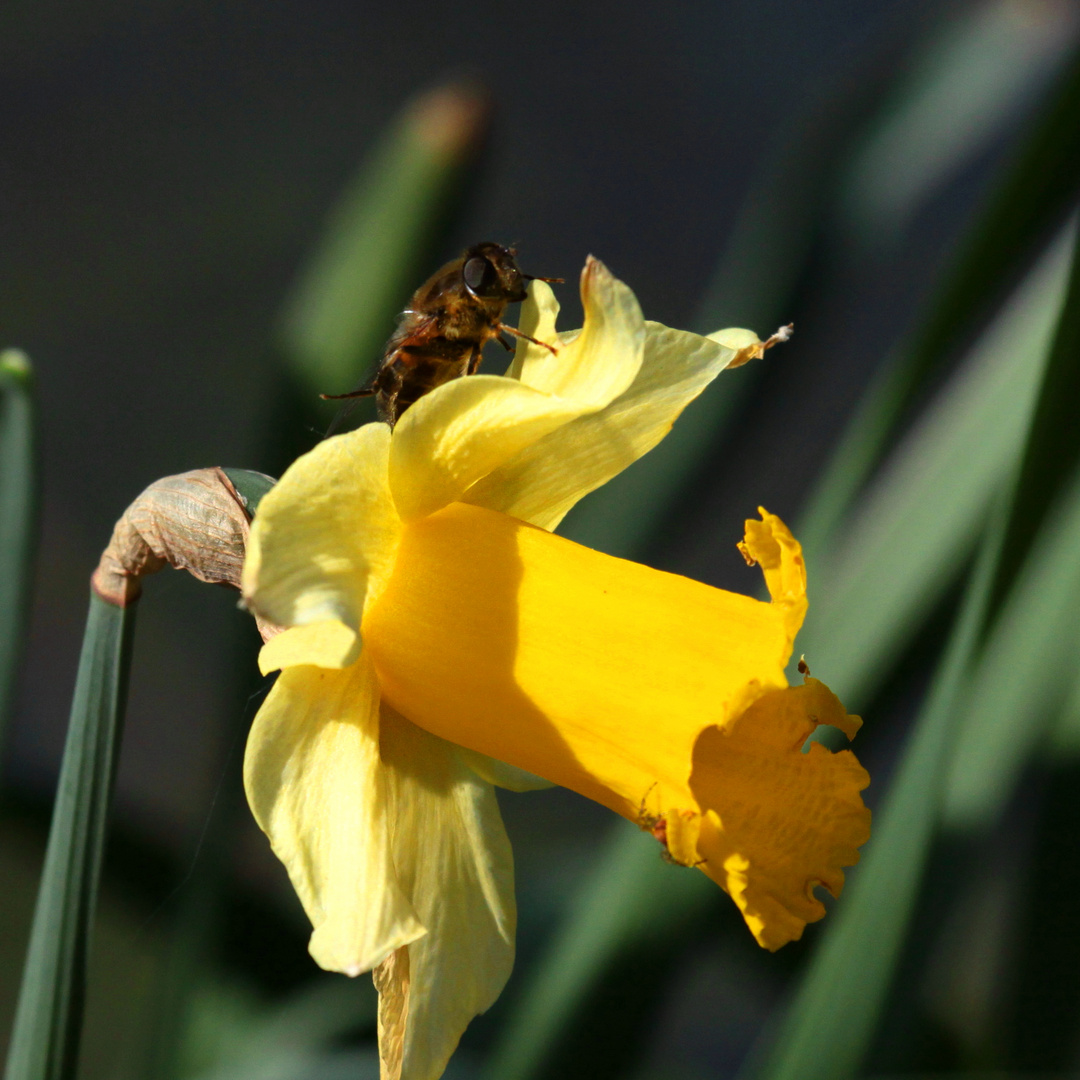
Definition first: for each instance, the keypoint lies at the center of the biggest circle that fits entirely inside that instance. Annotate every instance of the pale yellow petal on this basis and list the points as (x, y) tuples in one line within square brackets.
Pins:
[(541, 483), (736, 338), (453, 859), (329, 644), (323, 540), (745, 344), (461, 431), (317, 788), (603, 360), (539, 312), (500, 774)]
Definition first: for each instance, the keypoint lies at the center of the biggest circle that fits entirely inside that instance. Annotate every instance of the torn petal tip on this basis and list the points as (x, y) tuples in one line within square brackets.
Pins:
[(785, 333)]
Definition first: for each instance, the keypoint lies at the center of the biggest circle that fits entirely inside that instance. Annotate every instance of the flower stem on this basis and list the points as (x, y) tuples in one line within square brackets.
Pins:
[(18, 514), (48, 1019)]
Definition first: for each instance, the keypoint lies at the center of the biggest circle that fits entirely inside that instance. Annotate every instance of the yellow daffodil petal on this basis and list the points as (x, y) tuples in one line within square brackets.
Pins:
[(539, 311), (603, 360), (779, 821), (317, 788), (461, 431), (500, 774), (541, 483), (453, 859), (603, 675), (325, 535), (329, 644)]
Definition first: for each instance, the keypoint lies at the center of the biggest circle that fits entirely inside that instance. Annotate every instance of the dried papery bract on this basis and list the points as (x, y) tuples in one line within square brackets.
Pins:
[(392, 982), (747, 346), (196, 521)]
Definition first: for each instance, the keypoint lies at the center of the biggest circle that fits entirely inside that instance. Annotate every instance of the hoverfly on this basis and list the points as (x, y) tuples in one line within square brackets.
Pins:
[(442, 333)]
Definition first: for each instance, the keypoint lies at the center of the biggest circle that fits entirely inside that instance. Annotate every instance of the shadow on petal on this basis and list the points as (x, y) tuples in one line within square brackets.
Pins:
[(778, 821)]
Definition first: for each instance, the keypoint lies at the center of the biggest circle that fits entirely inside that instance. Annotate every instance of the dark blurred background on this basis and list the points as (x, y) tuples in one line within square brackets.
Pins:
[(165, 168)]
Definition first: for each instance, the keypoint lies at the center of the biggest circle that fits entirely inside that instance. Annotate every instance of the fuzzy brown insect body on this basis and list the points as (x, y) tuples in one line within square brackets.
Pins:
[(442, 333)]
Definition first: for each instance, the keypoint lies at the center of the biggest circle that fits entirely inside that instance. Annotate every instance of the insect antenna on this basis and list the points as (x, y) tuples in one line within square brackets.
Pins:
[(549, 280)]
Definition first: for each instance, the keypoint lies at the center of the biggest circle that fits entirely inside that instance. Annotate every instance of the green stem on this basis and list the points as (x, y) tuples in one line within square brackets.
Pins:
[(18, 515), (48, 1019)]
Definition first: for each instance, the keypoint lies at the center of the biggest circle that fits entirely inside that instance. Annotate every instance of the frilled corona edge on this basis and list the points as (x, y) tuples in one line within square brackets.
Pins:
[(195, 521)]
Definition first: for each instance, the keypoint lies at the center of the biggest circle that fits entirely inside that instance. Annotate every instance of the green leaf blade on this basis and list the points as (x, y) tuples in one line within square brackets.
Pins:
[(48, 1020), (1023, 677), (251, 486), (18, 514)]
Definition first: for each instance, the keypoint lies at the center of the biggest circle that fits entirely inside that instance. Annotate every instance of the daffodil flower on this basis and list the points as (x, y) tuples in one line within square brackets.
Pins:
[(440, 639)]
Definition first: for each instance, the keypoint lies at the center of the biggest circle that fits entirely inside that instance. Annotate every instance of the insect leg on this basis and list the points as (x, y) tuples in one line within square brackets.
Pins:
[(474, 361), (364, 391), (645, 800), (517, 333), (389, 384)]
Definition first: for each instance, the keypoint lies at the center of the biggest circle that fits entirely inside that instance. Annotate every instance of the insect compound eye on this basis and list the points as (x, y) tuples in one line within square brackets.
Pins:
[(480, 276)]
